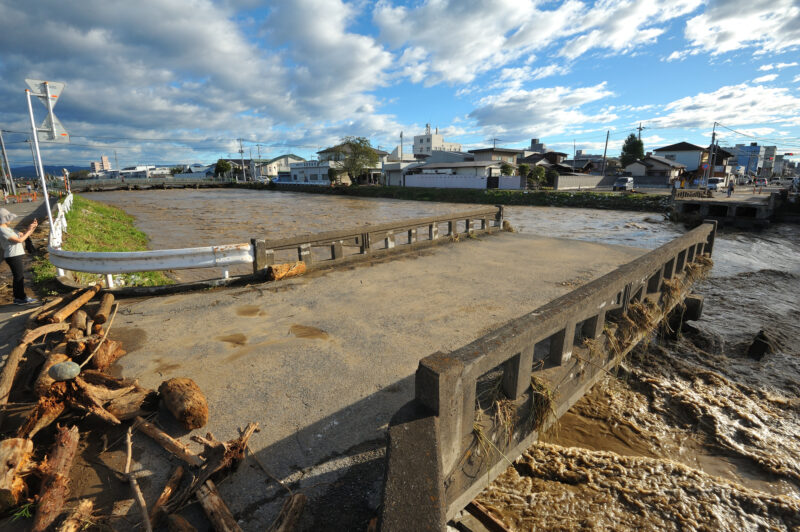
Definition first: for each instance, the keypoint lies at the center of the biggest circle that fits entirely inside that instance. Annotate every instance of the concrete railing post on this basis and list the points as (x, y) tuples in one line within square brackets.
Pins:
[(440, 387), (304, 253), (712, 235), (470, 226), (433, 231), (365, 243), (452, 227), (517, 374), (561, 344), (593, 327), (500, 215), (389, 240), (680, 263), (337, 250), (412, 235), (259, 254)]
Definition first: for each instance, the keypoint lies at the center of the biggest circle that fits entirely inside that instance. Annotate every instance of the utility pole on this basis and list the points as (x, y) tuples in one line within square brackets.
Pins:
[(574, 155), (241, 154), (495, 142), (640, 128), (604, 152), (116, 162), (7, 173), (710, 169)]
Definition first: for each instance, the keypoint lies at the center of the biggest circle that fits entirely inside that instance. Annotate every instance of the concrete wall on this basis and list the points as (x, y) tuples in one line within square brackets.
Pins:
[(445, 181), (511, 182), (569, 182)]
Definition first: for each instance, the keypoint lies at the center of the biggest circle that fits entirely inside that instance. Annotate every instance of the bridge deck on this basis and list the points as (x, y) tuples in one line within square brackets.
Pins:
[(322, 362)]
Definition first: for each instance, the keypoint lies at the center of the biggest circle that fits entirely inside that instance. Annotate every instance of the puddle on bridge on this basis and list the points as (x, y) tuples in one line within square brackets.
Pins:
[(234, 340), (306, 331)]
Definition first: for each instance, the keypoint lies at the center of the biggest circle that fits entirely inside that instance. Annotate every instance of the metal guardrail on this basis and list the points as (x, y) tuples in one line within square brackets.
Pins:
[(442, 416), (368, 240)]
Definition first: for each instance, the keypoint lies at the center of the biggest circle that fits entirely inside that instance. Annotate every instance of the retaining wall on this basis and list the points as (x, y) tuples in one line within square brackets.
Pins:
[(435, 461), (573, 182)]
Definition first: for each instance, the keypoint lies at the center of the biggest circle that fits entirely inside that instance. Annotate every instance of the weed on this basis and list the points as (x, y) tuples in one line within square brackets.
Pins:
[(23, 512)]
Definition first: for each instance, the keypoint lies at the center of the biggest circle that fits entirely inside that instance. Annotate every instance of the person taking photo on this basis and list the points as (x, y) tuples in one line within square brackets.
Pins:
[(13, 251)]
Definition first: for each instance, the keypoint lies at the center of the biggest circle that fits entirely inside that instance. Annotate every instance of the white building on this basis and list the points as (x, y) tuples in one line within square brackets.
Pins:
[(427, 143), (467, 174), (689, 155), (314, 173), (281, 163)]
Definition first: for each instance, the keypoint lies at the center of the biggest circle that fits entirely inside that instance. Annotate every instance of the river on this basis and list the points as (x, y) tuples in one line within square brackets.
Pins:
[(689, 434)]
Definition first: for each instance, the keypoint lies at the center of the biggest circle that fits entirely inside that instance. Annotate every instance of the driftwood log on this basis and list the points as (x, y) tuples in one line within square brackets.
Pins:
[(176, 523), (276, 272), (46, 411), (290, 514), (12, 363), (15, 454), (170, 444), (108, 353), (66, 311), (55, 478), (157, 511), (78, 321), (185, 401), (80, 517), (215, 508), (101, 316)]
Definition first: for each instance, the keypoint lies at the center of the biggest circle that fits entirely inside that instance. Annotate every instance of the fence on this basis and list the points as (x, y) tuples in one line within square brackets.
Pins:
[(435, 463), (322, 248)]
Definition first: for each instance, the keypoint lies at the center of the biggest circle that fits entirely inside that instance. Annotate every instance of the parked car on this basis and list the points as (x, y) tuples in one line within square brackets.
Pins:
[(715, 183), (761, 182), (623, 183)]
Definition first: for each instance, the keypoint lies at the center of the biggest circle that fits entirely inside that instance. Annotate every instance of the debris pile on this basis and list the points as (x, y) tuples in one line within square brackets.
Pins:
[(61, 368)]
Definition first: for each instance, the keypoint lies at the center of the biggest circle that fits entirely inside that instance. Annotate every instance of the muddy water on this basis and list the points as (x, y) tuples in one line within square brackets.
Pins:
[(689, 434)]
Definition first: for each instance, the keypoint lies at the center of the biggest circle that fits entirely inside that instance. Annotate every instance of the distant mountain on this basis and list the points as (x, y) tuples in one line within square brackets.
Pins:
[(30, 171)]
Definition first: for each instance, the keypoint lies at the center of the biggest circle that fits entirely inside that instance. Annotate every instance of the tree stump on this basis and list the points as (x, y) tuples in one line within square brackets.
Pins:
[(15, 454)]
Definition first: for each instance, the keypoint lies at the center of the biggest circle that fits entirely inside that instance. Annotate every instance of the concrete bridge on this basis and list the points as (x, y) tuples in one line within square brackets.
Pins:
[(96, 185), (325, 362)]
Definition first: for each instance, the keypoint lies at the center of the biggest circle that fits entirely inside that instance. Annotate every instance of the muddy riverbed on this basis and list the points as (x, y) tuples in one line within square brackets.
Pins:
[(689, 434)]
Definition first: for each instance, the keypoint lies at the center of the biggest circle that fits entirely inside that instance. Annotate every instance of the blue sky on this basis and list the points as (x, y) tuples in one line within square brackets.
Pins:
[(296, 76)]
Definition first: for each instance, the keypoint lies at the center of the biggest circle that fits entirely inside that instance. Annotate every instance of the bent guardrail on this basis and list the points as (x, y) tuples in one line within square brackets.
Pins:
[(319, 249), (436, 459)]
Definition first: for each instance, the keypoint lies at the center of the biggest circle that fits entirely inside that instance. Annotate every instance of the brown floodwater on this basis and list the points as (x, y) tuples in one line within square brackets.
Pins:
[(689, 434)]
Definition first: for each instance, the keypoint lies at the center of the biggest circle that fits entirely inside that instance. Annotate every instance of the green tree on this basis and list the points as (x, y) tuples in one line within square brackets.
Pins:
[(506, 169), (524, 170), (222, 168), (632, 149), (176, 170), (535, 177), (358, 156), (80, 174), (550, 177), (332, 174)]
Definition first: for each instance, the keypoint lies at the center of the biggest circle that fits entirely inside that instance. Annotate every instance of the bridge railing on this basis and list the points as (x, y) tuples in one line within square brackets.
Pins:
[(321, 248), (542, 343)]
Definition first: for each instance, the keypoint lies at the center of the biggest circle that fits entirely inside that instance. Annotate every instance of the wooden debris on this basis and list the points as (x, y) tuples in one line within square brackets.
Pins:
[(290, 514), (46, 411), (66, 311), (44, 380), (276, 272), (15, 454), (156, 512), (106, 354), (97, 328), (101, 316), (185, 401), (78, 321), (80, 517), (12, 362), (215, 508), (170, 444), (482, 514), (176, 523), (55, 478), (137, 493), (83, 399)]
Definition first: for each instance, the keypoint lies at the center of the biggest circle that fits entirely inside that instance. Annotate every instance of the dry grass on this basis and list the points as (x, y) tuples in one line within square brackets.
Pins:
[(507, 227)]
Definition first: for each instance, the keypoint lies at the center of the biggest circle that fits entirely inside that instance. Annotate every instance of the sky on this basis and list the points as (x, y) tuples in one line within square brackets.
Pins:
[(179, 81)]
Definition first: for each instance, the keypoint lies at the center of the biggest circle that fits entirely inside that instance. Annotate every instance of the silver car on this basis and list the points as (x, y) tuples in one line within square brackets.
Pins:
[(623, 183)]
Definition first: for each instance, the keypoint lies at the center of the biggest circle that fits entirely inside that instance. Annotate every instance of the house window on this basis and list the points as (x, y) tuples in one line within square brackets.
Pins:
[(670, 156)]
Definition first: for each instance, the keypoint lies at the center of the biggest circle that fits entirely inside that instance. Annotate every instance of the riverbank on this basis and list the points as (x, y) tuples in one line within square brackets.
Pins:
[(538, 198), (95, 226)]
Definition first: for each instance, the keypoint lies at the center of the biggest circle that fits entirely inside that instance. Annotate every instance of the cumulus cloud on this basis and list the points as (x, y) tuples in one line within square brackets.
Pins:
[(522, 113), (456, 40), (777, 66), (764, 79), (732, 105), (726, 25)]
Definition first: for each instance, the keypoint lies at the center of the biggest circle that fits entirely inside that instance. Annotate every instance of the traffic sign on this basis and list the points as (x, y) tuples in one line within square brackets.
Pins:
[(48, 92)]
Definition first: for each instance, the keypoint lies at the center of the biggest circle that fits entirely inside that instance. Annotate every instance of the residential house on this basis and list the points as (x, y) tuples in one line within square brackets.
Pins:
[(340, 152), (315, 173), (654, 170), (276, 165), (691, 156), (503, 155)]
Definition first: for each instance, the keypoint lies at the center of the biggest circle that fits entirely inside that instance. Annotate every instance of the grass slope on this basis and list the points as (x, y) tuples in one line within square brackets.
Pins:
[(94, 226)]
